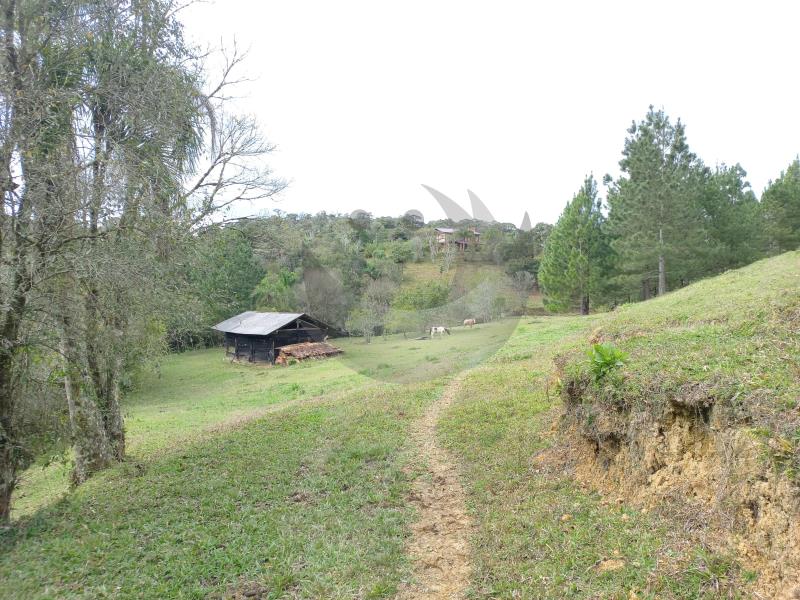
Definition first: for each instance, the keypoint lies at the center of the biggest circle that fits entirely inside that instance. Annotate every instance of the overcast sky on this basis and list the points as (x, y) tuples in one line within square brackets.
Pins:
[(517, 102)]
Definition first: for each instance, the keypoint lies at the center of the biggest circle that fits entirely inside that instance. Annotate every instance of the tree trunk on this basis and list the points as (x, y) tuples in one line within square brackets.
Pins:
[(8, 474), (9, 447), (114, 423), (662, 276), (585, 305), (13, 456), (662, 271), (92, 448)]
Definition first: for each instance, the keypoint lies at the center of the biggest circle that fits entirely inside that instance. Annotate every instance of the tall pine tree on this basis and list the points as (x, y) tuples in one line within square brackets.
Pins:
[(576, 259), (655, 216)]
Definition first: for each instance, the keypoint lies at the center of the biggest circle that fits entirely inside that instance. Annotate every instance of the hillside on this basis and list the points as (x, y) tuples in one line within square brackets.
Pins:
[(703, 419), (315, 480)]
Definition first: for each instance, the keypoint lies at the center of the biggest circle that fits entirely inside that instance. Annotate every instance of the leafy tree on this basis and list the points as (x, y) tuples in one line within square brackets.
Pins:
[(433, 245), (225, 272), (422, 296), (401, 252), (421, 300), (399, 320), (417, 248), (576, 261), (449, 255), (733, 220), (486, 301), (377, 296), (654, 214), (781, 204), (523, 252), (322, 294), (105, 129), (523, 284), (370, 314), (363, 320), (275, 293)]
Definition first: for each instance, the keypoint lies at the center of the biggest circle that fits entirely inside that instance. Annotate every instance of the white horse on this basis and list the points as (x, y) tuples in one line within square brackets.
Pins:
[(439, 330), (469, 322)]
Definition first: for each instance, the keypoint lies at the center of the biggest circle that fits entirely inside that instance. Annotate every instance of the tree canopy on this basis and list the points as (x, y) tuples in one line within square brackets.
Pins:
[(576, 263)]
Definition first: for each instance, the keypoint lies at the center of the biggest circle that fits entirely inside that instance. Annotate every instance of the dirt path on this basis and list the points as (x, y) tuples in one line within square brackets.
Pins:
[(439, 545)]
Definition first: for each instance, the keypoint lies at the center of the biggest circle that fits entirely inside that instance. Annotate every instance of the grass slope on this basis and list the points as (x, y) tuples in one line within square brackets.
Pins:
[(732, 341), (308, 502), (190, 395), (291, 482), (186, 396), (539, 534)]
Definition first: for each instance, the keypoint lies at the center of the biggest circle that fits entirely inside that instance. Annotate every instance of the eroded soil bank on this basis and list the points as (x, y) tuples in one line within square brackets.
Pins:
[(689, 461)]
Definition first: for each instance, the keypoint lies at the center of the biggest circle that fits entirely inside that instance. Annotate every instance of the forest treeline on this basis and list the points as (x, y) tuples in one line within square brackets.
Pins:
[(350, 272), (119, 155), (667, 220)]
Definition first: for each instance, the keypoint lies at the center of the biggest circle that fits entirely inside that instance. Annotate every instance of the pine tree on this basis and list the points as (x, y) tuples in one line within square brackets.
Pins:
[(575, 264), (781, 206), (655, 216), (733, 220)]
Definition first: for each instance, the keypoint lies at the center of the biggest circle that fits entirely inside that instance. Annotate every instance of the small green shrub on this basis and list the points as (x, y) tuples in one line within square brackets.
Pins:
[(604, 358)]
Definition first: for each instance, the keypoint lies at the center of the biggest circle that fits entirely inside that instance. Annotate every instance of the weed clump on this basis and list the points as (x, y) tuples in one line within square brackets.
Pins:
[(604, 358)]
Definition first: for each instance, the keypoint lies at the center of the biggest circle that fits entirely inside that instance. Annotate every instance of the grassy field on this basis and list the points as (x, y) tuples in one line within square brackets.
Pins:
[(405, 360), (294, 481), (309, 501), (186, 396), (192, 395)]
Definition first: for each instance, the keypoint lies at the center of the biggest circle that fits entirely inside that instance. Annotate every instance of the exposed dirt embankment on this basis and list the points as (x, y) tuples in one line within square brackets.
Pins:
[(688, 457)]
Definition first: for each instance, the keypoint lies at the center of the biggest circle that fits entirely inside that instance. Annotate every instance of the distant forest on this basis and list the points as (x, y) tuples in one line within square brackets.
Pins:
[(667, 221), (351, 272)]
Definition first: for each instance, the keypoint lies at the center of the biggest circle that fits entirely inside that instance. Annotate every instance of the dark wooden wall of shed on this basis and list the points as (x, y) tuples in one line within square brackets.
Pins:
[(250, 347), (256, 348)]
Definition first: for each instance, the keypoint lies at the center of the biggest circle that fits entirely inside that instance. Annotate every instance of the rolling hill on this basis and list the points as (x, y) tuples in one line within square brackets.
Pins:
[(672, 475)]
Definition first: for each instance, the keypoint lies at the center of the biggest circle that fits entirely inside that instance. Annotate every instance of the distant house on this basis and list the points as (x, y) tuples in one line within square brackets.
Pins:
[(444, 235), (473, 238), (259, 336)]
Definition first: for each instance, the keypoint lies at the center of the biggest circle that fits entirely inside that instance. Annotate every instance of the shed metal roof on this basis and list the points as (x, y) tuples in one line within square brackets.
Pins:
[(257, 323)]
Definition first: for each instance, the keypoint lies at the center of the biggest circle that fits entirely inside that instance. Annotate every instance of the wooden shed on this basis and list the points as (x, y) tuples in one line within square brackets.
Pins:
[(258, 336)]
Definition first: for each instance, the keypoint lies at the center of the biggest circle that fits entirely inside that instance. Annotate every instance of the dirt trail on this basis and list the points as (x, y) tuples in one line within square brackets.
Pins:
[(439, 545)]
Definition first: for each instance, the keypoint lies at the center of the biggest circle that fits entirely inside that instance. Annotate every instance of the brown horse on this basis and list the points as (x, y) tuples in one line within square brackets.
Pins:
[(469, 322)]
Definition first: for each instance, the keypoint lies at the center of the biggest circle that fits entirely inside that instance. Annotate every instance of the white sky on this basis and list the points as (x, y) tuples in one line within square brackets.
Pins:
[(515, 101)]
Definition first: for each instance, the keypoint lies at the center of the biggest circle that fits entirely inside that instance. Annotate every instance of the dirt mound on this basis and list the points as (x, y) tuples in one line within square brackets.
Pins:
[(689, 461)]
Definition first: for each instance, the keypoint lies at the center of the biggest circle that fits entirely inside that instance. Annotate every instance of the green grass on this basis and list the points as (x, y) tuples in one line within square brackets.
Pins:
[(733, 340), (405, 359), (188, 394), (540, 535), (192, 393), (293, 481), (309, 502)]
